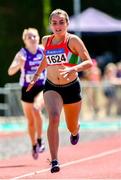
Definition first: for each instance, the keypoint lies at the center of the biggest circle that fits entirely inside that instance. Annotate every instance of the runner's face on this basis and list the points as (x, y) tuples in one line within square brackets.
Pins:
[(58, 24), (31, 39)]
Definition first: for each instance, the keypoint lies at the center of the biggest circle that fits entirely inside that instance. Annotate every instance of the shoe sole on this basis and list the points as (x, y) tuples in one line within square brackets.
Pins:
[(55, 169), (35, 156)]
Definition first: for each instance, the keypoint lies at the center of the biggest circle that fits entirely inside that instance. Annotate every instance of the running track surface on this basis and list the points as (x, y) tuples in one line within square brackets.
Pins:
[(99, 159)]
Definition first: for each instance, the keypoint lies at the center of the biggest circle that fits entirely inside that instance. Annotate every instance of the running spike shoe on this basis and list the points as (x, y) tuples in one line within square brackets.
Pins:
[(55, 166), (74, 139)]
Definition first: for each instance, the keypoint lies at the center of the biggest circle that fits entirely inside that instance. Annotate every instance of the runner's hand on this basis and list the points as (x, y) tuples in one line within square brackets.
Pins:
[(66, 72)]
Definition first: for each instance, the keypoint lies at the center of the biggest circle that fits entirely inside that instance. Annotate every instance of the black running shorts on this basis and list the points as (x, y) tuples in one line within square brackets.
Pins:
[(30, 95), (70, 92)]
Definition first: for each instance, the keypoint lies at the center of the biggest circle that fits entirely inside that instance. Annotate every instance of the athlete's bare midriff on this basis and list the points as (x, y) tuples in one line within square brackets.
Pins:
[(53, 74)]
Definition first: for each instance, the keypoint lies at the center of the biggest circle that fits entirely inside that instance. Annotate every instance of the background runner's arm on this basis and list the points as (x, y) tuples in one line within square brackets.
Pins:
[(16, 65)]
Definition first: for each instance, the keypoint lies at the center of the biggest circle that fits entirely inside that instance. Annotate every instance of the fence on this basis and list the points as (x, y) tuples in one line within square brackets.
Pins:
[(95, 100), (11, 105)]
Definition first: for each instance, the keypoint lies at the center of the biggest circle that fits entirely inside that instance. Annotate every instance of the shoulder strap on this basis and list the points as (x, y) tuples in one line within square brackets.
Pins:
[(49, 39), (68, 39)]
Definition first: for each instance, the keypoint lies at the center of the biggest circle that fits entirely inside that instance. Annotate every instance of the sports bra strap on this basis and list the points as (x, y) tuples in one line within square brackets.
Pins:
[(49, 39)]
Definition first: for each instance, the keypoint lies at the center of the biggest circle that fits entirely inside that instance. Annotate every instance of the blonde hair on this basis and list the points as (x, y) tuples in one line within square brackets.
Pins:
[(59, 12), (110, 67), (29, 31)]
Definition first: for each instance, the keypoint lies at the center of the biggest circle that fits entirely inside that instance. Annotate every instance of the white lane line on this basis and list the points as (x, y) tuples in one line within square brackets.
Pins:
[(70, 163)]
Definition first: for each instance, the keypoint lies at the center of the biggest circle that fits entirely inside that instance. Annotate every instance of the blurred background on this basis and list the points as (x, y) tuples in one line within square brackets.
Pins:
[(102, 38)]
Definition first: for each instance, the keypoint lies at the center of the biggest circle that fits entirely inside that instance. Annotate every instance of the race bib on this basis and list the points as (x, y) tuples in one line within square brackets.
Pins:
[(29, 77), (56, 56)]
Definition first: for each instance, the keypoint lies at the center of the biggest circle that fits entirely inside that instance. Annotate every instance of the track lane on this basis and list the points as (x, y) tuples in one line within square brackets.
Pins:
[(96, 159)]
